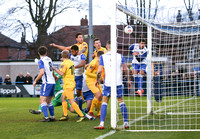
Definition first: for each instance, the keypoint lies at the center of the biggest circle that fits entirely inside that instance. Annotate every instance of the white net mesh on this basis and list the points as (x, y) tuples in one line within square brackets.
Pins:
[(175, 66)]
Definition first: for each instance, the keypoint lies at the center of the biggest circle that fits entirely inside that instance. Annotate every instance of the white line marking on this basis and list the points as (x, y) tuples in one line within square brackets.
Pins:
[(181, 130), (107, 134)]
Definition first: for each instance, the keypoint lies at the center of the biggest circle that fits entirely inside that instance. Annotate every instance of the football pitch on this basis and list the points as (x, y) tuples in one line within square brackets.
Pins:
[(17, 122)]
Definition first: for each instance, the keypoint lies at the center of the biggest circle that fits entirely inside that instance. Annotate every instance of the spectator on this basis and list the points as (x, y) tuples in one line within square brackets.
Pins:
[(28, 78), (20, 79), (7, 80), (158, 86), (179, 16), (0, 80)]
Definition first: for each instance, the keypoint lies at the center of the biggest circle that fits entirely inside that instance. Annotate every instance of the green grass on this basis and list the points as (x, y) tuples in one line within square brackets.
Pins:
[(17, 122)]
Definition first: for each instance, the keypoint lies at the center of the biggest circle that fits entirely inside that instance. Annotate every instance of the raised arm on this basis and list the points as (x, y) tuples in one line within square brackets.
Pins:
[(60, 47)]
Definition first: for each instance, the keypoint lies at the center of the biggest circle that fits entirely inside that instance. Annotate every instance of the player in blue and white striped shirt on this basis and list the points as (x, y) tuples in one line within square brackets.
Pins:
[(79, 61), (48, 84), (139, 52)]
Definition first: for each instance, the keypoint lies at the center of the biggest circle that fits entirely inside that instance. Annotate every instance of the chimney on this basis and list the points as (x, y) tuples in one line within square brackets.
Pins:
[(84, 22), (23, 39)]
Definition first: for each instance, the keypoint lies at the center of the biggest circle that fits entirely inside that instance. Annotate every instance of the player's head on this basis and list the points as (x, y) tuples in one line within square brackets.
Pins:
[(108, 45), (65, 54), (42, 50), (74, 50), (97, 43), (99, 53), (79, 37), (141, 43)]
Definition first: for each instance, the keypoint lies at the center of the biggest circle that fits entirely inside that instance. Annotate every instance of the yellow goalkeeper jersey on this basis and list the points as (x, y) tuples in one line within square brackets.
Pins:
[(67, 67)]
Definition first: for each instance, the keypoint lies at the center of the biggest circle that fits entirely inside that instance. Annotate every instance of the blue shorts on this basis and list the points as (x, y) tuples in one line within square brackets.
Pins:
[(139, 67), (107, 91), (47, 90), (79, 80), (88, 95)]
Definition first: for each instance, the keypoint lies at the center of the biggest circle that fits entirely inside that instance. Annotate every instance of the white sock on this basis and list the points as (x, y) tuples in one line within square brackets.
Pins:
[(52, 117), (88, 116), (101, 123)]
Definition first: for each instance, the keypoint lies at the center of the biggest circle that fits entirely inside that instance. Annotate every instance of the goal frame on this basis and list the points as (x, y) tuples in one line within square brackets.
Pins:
[(149, 69)]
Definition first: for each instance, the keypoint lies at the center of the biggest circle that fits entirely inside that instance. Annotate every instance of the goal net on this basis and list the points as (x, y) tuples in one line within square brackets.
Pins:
[(171, 83)]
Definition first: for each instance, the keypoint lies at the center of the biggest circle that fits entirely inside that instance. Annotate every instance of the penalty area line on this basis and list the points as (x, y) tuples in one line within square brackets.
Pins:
[(107, 134)]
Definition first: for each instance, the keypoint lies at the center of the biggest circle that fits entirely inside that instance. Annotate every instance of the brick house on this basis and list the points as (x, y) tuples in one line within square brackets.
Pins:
[(66, 37), (10, 49)]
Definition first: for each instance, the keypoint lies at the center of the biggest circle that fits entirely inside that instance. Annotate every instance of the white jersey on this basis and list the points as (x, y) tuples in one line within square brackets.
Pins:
[(77, 60), (105, 60), (84, 85), (46, 64), (141, 57)]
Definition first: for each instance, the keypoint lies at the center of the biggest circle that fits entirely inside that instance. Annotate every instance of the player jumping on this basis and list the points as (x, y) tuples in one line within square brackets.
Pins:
[(139, 52)]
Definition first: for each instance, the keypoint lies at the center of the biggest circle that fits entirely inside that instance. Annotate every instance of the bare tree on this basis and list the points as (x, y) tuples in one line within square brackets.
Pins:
[(156, 8), (34, 13), (42, 13), (189, 8), (142, 11)]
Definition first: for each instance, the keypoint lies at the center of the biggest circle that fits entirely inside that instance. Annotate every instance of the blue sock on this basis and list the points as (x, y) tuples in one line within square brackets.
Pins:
[(140, 83), (51, 109), (124, 111), (44, 110), (80, 102), (136, 79), (85, 110), (103, 111)]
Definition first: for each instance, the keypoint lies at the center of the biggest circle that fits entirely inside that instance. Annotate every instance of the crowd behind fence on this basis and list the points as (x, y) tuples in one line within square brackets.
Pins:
[(162, 85), (168, 86)]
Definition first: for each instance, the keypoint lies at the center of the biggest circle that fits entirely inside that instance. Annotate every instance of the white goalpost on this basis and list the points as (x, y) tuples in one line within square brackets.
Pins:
[(171, 84), (113, 65)]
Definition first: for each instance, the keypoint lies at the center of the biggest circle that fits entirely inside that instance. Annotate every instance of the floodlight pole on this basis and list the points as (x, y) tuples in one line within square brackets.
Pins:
[(90, 31)]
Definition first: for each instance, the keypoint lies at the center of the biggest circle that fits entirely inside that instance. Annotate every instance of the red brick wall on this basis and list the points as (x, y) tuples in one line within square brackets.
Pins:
[(16, 53), (12, 53), (3, 53)]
